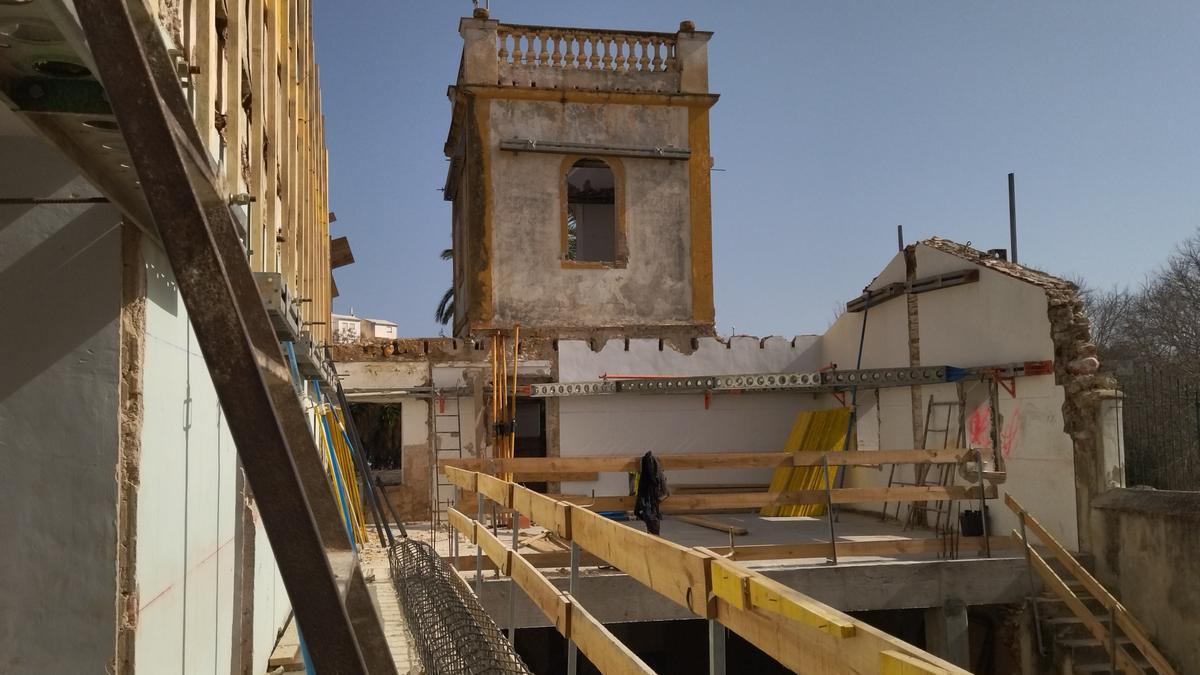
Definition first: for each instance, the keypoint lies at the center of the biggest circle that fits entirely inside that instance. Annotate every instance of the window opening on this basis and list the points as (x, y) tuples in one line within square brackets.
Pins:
[(591, 212)]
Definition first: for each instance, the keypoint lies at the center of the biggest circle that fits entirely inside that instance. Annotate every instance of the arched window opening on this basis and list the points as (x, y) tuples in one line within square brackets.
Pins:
[(591, 212)]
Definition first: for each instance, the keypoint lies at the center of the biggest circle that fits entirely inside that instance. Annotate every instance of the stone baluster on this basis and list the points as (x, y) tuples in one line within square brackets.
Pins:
[(570, 52), (503, 53), (517, 54), (543, 54), (607, 60), (656, 62), (556, 58), (594, 52), (644, 61), (622, 52), (672, 62)]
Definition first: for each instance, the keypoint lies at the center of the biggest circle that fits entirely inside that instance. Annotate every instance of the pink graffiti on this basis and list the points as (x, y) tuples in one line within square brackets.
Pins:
[(979, 429), (1009, 433)]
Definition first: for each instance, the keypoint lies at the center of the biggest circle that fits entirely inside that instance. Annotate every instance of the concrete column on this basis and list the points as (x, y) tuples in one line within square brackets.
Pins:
[(480, 64), (947, 634), (691, 50)]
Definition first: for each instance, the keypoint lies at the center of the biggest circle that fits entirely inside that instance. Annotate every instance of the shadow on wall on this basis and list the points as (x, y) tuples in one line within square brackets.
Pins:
[(60, 268)]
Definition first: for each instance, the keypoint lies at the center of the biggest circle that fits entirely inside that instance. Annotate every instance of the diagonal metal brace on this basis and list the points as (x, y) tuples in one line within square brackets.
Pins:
[(277, 451)]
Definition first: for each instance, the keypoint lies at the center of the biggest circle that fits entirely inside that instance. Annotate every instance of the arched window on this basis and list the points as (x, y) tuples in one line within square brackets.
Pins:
[(591, 212)]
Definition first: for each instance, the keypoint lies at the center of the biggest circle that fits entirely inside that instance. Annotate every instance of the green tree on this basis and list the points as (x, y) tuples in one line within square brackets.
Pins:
[(444, 313)]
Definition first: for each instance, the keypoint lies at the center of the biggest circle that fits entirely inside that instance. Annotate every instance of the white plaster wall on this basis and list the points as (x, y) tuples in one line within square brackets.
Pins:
[(666, 424), (271, 605), (186, 499), (188, 505), (60, 295), (997, 320)]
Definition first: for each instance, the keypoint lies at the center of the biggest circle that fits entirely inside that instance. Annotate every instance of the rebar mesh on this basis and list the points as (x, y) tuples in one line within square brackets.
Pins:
[(454, 635)]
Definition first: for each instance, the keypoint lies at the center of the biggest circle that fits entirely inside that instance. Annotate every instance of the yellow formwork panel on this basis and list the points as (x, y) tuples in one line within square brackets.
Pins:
[(814, 430)]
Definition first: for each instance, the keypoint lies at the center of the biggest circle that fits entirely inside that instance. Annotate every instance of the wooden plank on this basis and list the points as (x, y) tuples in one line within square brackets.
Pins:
[(541, 509), (712, 460), (561, 559), (888, 547), (492, 547), (678, 573), (463, 523), (699, 503), (892, 662), (1132, 628), (713, 524), (602, 648), (460, 477), (493, 488), (544, 595)]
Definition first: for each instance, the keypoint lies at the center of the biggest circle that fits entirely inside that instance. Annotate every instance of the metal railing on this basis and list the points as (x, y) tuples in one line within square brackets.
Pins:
[(1105, 627), (1161, 425)]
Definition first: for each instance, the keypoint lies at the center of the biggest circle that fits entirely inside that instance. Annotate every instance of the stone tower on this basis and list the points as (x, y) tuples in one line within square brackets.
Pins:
[(579, 177)]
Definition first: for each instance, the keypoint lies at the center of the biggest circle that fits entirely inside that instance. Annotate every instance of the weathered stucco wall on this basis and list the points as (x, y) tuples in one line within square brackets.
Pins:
[(1146, 545), (60, 294), (530, 284)]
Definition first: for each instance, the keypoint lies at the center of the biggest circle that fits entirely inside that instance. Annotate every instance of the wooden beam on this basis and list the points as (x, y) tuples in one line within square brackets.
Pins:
[(885, 548), (804, 650), (744, 589), (888, 547), (600, 646), (676, 572), (799, 632), (892, 662), (550, 466), (713, 524), (702, 502), (603, 649)]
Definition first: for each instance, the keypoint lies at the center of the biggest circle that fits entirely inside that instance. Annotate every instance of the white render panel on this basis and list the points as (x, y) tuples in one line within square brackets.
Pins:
[(60, 291)]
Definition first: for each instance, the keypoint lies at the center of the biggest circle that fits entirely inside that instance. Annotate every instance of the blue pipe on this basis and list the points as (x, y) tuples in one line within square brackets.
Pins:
[(337, 471)]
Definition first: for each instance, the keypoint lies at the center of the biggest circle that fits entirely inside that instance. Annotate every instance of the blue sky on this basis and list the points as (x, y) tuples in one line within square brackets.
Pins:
[(837, 121)]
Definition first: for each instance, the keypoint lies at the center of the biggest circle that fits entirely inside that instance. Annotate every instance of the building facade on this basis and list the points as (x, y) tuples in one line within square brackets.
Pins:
[(579, 177), (141, 549)]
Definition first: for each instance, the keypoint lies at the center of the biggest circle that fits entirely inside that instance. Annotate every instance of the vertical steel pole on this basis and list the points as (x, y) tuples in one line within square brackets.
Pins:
[(1037, 620), (572, 650), (478, 548), (829, 510), (512, 585), (987, 543), (716, 648), (1012, 215)]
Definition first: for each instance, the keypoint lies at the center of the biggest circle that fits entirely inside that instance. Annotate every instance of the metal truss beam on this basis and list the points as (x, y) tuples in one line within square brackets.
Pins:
[(820, 381)]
